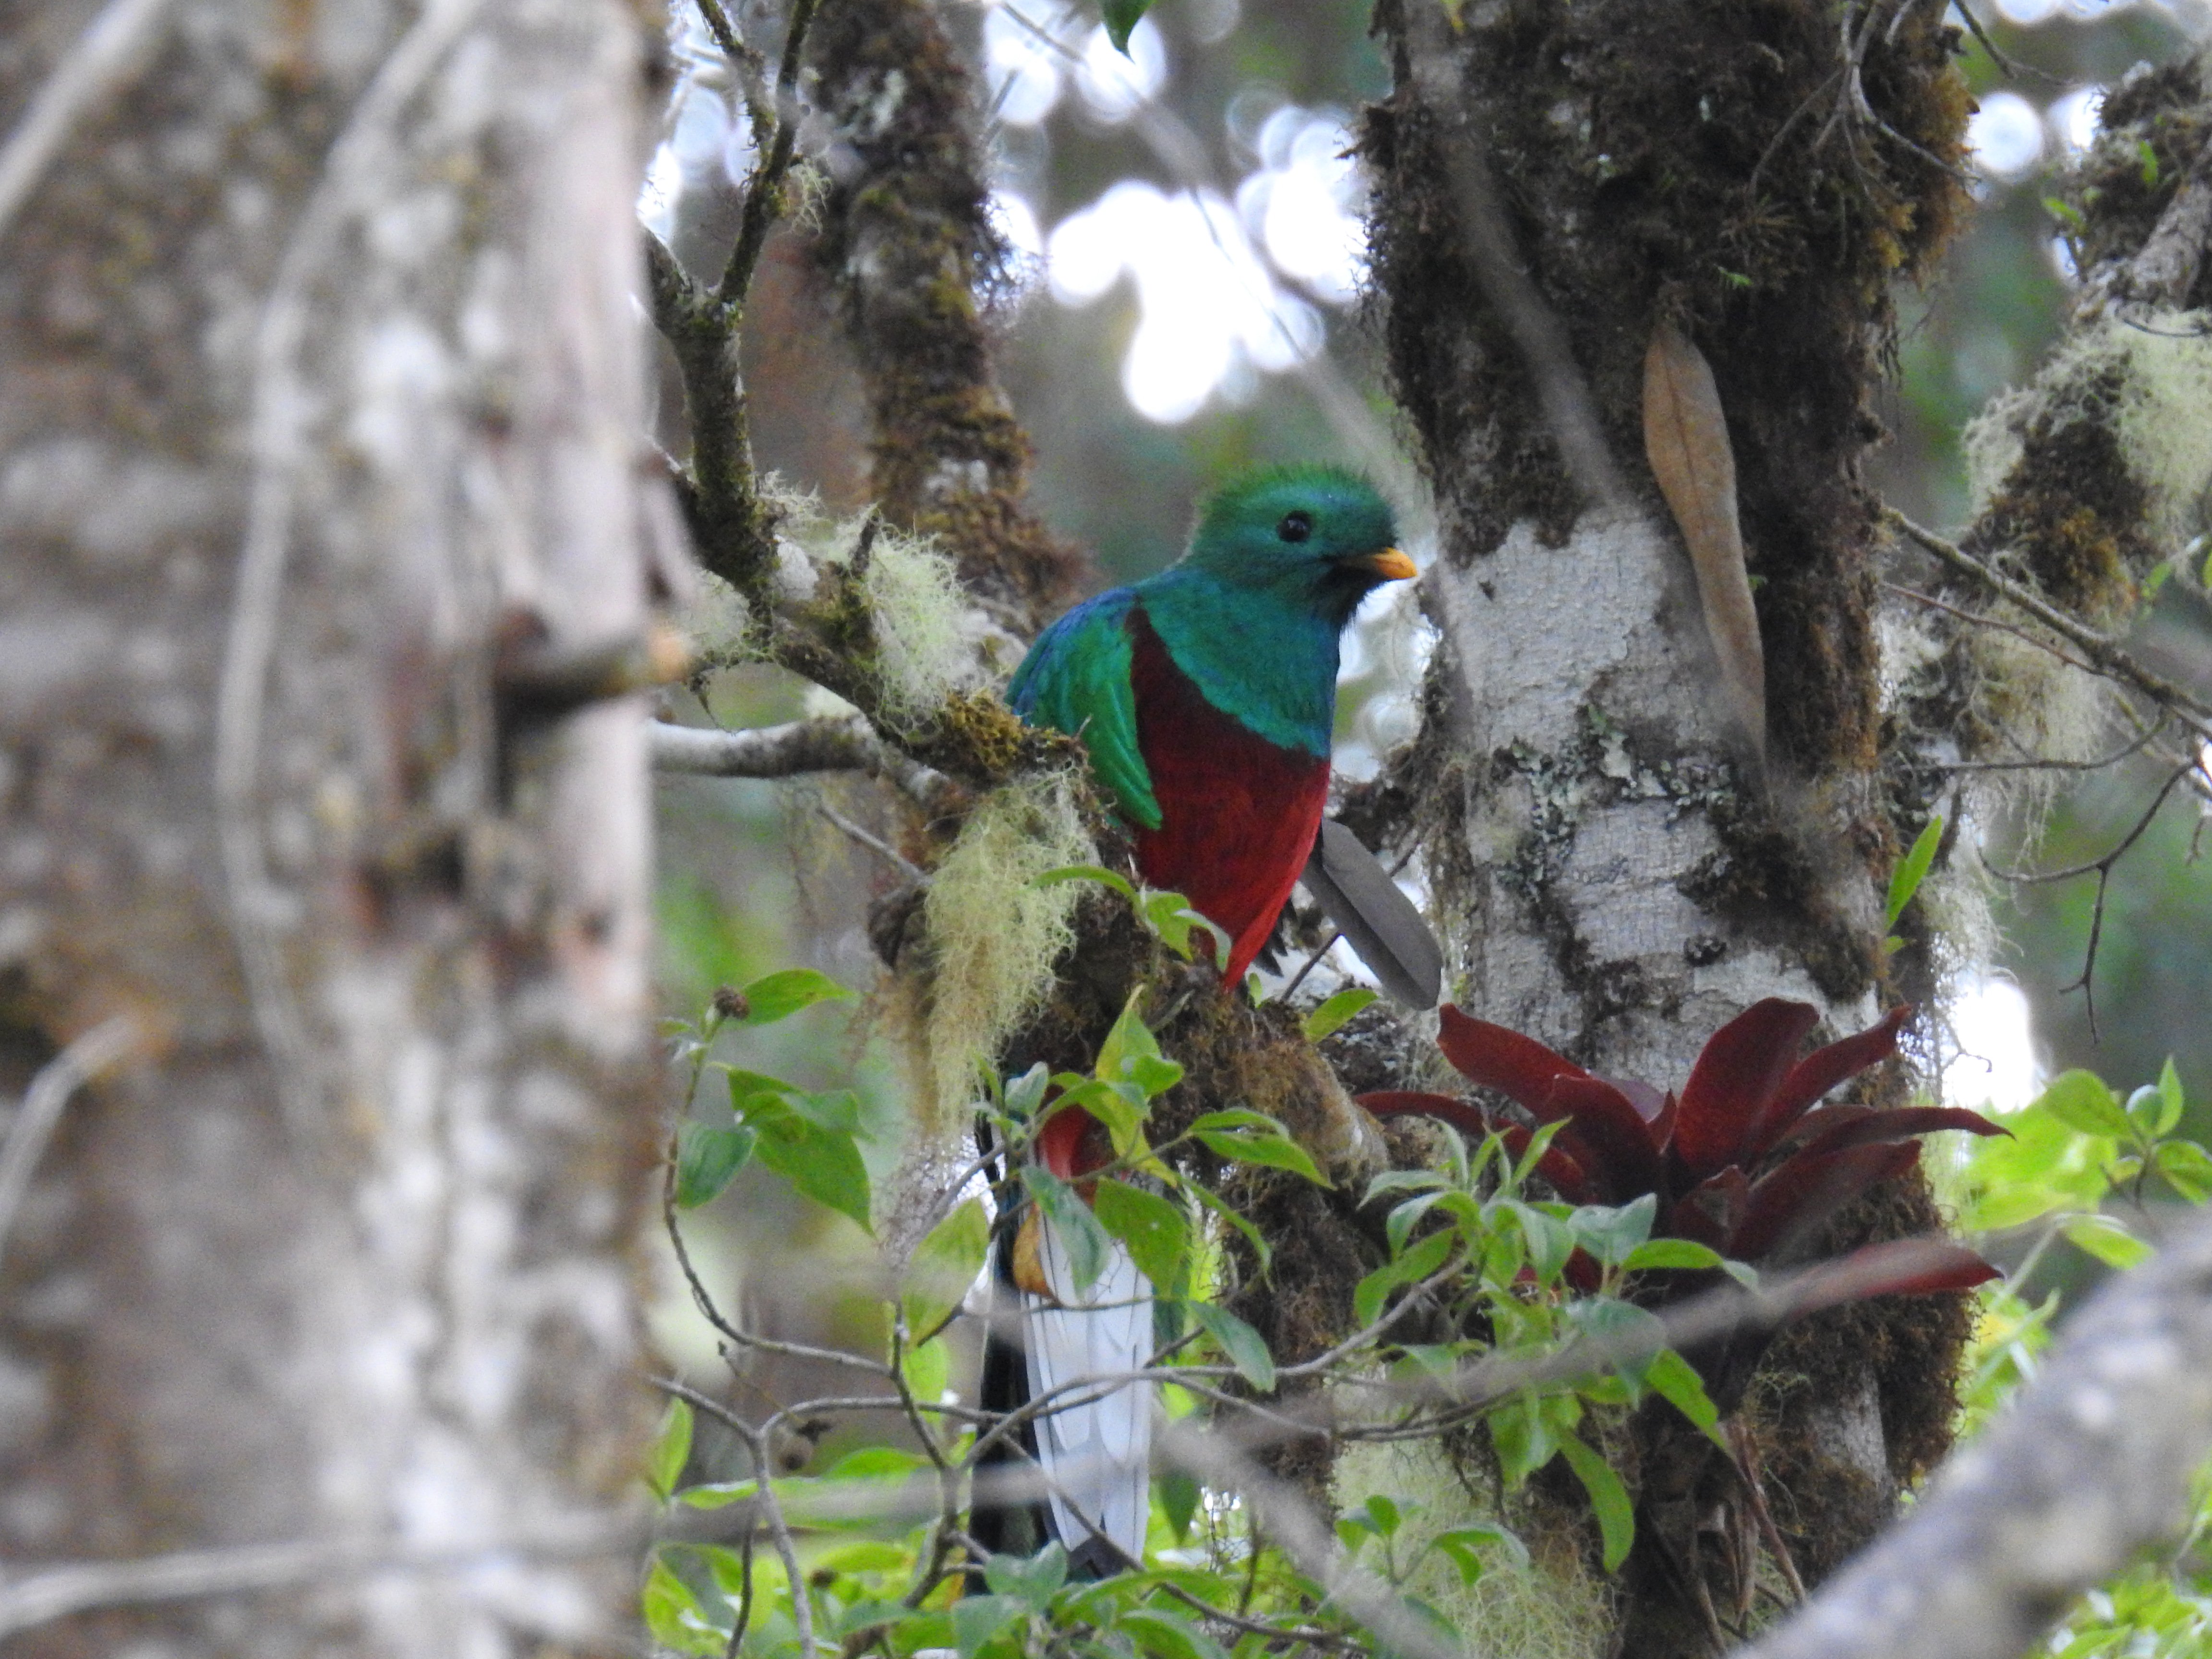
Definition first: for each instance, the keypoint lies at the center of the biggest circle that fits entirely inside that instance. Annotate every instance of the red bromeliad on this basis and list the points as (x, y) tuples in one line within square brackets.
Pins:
[(1745, 1161)]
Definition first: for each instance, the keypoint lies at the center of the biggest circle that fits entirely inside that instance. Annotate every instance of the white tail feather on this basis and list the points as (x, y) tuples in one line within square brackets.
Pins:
[(1097, 1451)]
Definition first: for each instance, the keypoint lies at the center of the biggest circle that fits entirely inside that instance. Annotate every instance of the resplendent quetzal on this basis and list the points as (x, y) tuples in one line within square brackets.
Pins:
[(1205, 696)]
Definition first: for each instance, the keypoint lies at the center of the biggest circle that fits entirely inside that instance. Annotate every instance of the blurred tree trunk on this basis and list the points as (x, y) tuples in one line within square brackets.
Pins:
[(1620, 871), (320, 402)]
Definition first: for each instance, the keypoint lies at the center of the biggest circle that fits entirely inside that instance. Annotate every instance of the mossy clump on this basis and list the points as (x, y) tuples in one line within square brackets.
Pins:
[(1552, 1606), (993, 935), (907, 242), (2151, 129)]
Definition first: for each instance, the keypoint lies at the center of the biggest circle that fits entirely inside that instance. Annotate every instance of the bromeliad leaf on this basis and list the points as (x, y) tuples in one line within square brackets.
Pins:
[(708, 1159), (1245, 1348), (779, 995), (1332, 1015), (1155, 1230), (1085, 1241), (945, 1265)]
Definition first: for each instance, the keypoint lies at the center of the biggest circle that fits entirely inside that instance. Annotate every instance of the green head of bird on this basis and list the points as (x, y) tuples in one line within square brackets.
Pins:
[(1320, 536)]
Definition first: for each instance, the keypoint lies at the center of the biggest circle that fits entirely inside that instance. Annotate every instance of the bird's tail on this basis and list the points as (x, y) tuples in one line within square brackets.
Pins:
[(1093, 1444)]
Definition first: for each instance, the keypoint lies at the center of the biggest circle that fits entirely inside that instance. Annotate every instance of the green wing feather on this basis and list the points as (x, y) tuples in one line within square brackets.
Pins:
[(1075, 679)]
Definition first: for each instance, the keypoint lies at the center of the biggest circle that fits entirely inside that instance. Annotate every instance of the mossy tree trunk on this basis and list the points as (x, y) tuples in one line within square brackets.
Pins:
[(1621, 870), (320, 396)]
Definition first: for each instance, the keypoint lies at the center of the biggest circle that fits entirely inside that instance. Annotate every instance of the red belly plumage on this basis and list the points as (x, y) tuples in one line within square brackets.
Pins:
[(1239, 814)]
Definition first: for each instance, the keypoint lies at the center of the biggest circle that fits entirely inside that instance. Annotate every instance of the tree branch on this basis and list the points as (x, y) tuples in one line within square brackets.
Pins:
[(32, 1125), (2108, 658), (2092, 1464), (47, 1594), (94, 66), (831, 745)]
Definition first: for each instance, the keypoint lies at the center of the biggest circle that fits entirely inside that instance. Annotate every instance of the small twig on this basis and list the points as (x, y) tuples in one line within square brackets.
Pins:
[(764, 190), (96, 65), (835, 744), (767, 1507), (32, 1125), (875, 844), (2102, 868), (1978, 620), (2109, 658)]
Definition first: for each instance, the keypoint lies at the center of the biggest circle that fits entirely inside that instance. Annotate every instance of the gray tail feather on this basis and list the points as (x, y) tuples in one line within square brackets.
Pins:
[(1377, 920)]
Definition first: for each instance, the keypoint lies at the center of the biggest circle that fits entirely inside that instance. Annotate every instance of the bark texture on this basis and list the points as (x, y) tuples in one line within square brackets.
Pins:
[(319, 398), (1619, 871)]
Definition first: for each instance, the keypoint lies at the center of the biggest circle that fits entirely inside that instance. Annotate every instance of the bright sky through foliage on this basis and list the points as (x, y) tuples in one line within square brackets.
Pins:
[(1996, 1066)]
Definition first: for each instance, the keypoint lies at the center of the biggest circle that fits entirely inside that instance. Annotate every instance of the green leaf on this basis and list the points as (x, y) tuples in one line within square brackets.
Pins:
[(1384, 1513), (719, 1494), (1155, 1230), (1684, 1254), (1464, 1547), (1414, 1266), (673, 1615), (1245, 1348), (1098, 873), (1616, 1516), (1551, 1241), (977, 1618), (945, 1265), (2081, 1100), (1121, 16), (708, 1159), (1331, 1016), (1611, 1234), (671, 1450), (1165, 1636), (1026, 1093), (1169, 915), (1675, 1380), (779, 995), (1522, 1436), (1179, 1496), (1906, 880), (1029, 1580), (2156, 578), (2108, 1240), (822, 1162), (2169, 1093), (1085, 1241), (1255, 1138), (2187, 1168), (1262, 1252)]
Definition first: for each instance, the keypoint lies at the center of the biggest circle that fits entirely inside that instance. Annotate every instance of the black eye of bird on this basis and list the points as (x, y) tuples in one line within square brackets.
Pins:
[(1295, 527)]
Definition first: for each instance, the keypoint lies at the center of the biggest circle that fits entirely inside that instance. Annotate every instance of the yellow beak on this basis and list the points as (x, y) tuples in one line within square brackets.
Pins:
[(1388, 563)]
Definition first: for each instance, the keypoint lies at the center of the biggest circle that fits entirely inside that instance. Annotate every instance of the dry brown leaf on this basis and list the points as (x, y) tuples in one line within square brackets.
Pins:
[(1686, 439)]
